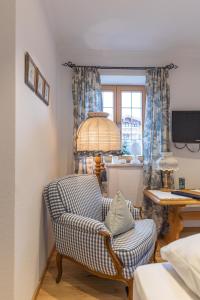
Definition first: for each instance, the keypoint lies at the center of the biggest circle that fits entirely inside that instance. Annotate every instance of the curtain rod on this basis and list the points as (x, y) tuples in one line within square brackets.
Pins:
[(71, 65)]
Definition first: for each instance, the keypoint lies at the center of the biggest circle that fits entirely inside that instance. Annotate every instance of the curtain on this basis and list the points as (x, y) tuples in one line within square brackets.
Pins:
[(86, 164), (156, 140), (87, 96)]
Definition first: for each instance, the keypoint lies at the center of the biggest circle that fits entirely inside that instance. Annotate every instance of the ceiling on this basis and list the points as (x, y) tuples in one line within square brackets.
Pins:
[(125, 25)]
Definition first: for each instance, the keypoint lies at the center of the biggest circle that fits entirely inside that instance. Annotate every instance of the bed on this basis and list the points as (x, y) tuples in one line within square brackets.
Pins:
[(160, 282)]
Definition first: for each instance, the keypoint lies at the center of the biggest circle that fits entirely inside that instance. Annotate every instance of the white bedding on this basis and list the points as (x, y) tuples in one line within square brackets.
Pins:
[(160, 282)]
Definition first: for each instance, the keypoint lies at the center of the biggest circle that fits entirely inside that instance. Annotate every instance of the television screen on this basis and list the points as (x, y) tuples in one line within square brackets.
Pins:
[(186, 127)]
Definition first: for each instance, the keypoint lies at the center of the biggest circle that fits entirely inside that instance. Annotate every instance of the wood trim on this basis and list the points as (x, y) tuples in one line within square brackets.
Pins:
[(130, 289), (190, 215), (116, 261), (34, 297), (117, 89), (59, 266), (112, 88), (175, 224), (26, 71), (191, 230), (118, 109), (169, 201)]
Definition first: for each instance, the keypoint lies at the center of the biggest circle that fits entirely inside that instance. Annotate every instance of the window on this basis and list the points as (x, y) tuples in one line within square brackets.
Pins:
[(125, 106)]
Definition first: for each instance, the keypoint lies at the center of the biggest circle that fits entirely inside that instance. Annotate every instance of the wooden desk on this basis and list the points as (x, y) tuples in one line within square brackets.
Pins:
[(175, 204)]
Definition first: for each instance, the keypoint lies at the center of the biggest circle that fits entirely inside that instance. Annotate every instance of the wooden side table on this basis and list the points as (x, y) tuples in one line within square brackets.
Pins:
[(175, 203)]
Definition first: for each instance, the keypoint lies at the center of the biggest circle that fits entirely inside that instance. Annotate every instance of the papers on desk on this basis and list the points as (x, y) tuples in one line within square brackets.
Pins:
[(166, 195)]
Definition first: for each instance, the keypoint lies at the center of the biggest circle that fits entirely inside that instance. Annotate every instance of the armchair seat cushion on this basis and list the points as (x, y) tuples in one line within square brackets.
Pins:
[(135, 244)]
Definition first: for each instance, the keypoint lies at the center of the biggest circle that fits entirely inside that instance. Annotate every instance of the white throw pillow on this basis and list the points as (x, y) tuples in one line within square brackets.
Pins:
[(119, 218), (184, 255)]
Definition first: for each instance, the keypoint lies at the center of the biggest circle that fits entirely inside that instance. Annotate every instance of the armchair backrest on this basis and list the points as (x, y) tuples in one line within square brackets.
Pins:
[(77, 194)]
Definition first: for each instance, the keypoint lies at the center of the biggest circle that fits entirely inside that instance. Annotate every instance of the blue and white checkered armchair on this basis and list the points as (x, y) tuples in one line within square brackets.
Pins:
[(78, 211)]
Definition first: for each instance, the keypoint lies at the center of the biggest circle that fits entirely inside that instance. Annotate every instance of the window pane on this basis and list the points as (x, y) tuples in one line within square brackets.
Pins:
[(136, 147), (126, 147), (133, 147), (137, 115), (126, 117), (109, 110), (108, 98), (131, 130), (126, 99), (137, 99)]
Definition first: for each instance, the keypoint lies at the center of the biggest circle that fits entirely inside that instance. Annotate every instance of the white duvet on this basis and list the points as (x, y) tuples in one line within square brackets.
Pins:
[(160, 282)]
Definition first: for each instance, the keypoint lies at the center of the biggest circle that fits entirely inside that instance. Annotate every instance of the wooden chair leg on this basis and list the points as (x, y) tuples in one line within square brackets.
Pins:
[(59, 267), (129, 289), (155, 252)]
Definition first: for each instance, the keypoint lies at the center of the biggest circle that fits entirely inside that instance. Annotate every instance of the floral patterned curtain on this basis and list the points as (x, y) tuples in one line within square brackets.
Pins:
[(156, 140), (87, 96)]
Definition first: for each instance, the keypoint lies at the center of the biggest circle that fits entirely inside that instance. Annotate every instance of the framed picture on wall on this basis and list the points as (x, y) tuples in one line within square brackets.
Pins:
[(40, 82), (30, 72), (46, 93), (35, 80)]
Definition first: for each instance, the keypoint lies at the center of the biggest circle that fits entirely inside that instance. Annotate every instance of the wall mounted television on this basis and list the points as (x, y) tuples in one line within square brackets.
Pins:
[(186, 127)]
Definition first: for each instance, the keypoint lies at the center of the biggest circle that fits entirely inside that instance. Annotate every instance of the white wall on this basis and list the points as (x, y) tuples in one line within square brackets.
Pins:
[(7, 119), (65, 120), (38, 155), (184, 84), (121, 178), (185, 96)]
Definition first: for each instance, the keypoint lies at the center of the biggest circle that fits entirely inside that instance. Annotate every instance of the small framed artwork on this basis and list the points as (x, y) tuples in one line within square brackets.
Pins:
[(40, 82), (30, 72), (46, 93), (35, 80)]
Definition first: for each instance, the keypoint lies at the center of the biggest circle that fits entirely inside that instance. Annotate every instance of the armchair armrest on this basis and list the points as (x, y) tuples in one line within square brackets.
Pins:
[(136, 211), (80, 223), (86, 241)]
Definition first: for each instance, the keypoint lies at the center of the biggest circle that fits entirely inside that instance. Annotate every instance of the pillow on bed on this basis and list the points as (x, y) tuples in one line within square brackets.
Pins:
[(119, 218), (184, 255)]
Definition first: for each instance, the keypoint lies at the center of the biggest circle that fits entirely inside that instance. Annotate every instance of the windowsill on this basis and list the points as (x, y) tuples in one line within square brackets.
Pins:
[(126, 165)]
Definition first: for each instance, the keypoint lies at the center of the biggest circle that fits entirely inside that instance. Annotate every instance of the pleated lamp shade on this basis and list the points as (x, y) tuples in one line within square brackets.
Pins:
[(98, 134)]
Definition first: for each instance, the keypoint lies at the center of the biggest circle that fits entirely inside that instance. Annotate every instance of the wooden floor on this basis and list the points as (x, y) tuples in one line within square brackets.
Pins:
[(78, 284)]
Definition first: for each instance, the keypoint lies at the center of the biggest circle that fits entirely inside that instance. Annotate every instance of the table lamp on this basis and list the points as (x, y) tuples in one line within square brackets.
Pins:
[(98, 134), (167, 163)]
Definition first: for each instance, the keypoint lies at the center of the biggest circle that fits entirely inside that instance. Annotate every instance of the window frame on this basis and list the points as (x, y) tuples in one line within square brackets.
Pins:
[(112, 88), (117, 90)]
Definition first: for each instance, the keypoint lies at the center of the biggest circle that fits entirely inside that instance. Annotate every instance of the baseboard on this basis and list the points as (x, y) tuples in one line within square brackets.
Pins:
[(43, 275)]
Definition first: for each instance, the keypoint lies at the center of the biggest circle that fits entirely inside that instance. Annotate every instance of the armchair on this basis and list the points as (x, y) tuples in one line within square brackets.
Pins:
[(78, 210)]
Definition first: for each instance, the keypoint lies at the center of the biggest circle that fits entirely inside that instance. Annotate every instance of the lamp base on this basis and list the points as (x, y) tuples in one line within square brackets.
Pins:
[(167, 179), (98, 166)]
